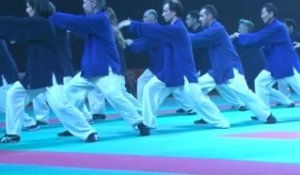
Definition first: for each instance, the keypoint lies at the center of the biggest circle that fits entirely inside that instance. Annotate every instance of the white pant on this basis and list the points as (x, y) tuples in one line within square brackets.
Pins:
[(181, 100), (27, 121), (156, 91), (71, 118), (276, 95), (284, 88), (146, 76), (3, 93), (264, 86), (96, 102), (41, 108), (110, 86), (230, 96), (141, 82), (239, 86), (224, 91), (129, 96)]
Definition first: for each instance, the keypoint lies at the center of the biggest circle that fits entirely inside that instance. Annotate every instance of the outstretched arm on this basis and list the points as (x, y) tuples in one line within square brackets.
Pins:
[(141, 45), (80, 24), (153, 31), (14, 28), (205, 38), (261, 38)]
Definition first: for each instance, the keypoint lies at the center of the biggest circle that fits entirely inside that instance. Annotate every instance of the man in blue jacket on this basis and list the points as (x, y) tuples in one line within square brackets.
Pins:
[(226, 69), (100, 67), (282, 60), (41, 74), (154, 49), (178, 73), (253, 60), (202, 62)]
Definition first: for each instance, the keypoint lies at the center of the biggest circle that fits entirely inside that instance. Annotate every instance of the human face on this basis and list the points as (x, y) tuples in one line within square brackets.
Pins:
[(168, 14), (29, 10), (88, 6), (204, 18), (266, 16), (148, 18), (243, 28), (189, 21)]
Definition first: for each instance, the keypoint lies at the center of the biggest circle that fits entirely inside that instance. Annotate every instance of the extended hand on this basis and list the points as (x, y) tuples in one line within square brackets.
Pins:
[(235, 35), (128, 42), (296, 45), (124, 23)]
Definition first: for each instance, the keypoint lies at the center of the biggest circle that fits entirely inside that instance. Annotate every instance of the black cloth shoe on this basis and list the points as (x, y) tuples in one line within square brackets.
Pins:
[(292, 105), (64, 134), (31, 128), (200, 122), (254, 118), (41, 122), (93, 137), (271, 119), (188, 112), (180, 111), (8, 138), (99, 116), (243, 108), (144, 130)]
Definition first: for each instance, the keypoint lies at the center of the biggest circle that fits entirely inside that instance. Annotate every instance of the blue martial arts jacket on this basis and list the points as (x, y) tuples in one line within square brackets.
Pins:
[(281, 57), (222, 54), (100, 50), (64, 65), (155, 51), (39, 36), (8, 68), (178, 61)]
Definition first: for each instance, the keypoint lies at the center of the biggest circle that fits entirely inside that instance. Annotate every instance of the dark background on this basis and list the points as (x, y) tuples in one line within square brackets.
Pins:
[(230, 11)]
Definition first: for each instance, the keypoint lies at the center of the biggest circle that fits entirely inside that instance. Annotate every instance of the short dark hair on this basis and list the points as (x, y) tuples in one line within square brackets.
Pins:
[(290, 22), (194, 14), (211, 9), (176, 6), (270, 7), (42, 8)]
